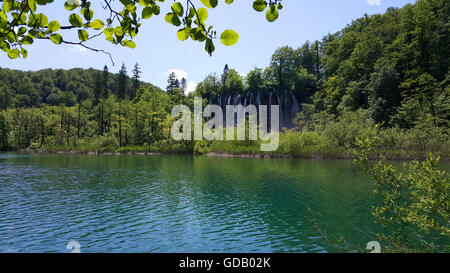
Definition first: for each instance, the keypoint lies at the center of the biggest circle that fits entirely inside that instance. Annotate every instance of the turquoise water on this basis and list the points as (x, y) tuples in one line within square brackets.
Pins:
[(174, 203)]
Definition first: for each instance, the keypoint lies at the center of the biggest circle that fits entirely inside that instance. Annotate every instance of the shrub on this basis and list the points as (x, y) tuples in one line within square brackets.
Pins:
[(414, 204)]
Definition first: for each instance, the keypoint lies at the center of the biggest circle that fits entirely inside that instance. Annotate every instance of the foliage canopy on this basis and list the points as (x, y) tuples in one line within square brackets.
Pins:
[(21, 22)]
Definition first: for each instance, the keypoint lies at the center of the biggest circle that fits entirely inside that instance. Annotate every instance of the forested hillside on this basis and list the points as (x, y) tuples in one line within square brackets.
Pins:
[(395, 65), (53, 87)]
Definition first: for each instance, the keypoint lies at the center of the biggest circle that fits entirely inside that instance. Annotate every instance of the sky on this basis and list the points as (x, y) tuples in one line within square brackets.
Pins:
[(159, 51)]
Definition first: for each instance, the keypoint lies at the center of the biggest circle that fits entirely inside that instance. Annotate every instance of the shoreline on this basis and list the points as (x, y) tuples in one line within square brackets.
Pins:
[(314, 156)]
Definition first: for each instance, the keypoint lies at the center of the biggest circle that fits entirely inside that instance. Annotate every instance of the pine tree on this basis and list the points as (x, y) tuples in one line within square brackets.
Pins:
[(173, 83), (136, 80), (122, 82), (224, 78), (105, 91), (183, 85), (98, 88)]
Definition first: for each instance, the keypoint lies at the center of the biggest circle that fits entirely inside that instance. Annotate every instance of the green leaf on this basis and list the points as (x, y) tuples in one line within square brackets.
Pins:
[(22, 31), (83, 35), (7, 6), (272, 14), (128, 43), (56, 38), (27, 40), (191, 12), (24, 52), (178, 9), (3, 17), (229, 1), (71, 5), (202, 14), (14, 53), (40, 19), (4, 46), (147, 13), (97, 24), (172, 18), (54, 26), (209, 46), (109, 32), (156, 9), (75, 20), (209, 3), (229, 37), (197, 34), (88, 14), (183, 34), (259, 5), (118, 31)]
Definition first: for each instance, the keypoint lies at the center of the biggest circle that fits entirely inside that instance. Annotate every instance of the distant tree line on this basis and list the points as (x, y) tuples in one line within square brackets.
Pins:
[(77, 106)]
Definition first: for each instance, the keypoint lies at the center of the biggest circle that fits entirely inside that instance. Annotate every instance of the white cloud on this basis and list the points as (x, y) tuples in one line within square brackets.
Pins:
[(373, 2), (191, 86), (78, 48), (180, 74), (243, 75)]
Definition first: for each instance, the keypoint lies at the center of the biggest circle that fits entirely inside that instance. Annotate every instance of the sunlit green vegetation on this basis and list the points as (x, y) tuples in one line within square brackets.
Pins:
[(414, 206)]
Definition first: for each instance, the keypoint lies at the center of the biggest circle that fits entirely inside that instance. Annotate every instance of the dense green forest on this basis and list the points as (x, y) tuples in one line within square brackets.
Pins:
[(396, 65), (391, 69), (20, 89)]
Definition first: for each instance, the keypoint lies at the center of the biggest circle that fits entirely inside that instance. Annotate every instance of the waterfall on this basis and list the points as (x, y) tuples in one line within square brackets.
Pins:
[(294, 109), (236, 100), (288, 114), (281, 110), (289, 106)]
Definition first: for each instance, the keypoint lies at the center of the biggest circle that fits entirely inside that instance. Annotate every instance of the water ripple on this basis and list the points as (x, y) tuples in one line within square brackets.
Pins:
[(173, 203)]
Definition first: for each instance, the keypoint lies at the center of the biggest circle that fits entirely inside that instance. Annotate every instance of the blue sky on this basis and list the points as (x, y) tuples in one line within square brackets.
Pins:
[(159, 51)]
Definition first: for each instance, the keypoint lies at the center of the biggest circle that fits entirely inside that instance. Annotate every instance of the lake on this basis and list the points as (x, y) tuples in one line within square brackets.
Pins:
[(177, 203)]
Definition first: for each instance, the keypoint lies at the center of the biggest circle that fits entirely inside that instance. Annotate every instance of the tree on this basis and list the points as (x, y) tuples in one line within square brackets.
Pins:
[(183, 85), (234, 82), (120, 26), (5, 99), (282, 66), (224, 75), (255, 80), (136, 80), (304, 84), (4, 131), (173, 83), (414, 204), (98, 88), (105, 93), (122, 85), (208, 87)]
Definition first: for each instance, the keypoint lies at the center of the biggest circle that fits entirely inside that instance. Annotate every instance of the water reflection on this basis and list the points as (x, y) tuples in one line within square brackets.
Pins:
[(177, 203)]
